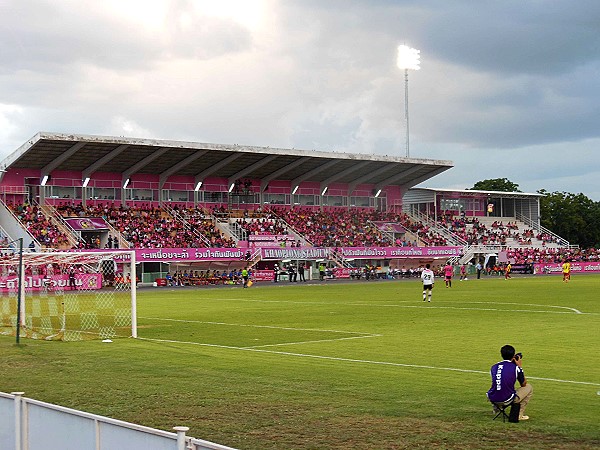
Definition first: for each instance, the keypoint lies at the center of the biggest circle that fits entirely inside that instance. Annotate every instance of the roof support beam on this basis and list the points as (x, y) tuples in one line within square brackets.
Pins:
[(343, 173), (180, 165), (87, 172), (296, 181), (62, 158), (427, 176), (257, 165), (283, 170), (365, 178), (144, 162), (212, 169), (398, 176)]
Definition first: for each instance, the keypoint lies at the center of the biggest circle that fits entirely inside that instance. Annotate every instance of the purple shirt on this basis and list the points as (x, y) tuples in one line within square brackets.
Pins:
[(504, 376)]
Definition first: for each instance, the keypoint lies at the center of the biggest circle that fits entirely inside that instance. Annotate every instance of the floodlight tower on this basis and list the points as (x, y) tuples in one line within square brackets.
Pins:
[(408, 58)]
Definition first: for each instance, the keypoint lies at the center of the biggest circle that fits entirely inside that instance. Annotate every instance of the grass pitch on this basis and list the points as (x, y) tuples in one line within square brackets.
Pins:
[(361, 365)]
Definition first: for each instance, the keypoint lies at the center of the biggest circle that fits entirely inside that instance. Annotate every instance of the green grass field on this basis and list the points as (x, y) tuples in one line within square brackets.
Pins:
[(361, 365)]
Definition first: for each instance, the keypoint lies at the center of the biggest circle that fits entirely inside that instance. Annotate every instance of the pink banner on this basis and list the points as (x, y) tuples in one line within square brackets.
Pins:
[(262, 275), (270, 237), (270, 240), (399, 252), (390, 227), (342, 272), (189, 254), (83, 281), (295, 253), (87, 223), (576, 267)]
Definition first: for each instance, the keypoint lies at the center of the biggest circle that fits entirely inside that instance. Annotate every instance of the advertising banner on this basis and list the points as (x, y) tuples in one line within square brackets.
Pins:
[(87, 223), (84, 281), (342, 272), (390, 227), (189, 254), (576, 267), (295, 253), (262, 275), (400, 252)]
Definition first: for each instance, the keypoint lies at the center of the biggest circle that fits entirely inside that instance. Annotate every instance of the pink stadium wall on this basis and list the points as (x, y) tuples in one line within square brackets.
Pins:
[(13, 187)]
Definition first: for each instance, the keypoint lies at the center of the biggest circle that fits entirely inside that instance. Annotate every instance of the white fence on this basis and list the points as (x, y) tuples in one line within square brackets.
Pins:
[(27, 424)]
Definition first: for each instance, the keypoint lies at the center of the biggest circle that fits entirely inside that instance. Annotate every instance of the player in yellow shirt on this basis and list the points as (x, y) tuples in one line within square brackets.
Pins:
[(566, 270)]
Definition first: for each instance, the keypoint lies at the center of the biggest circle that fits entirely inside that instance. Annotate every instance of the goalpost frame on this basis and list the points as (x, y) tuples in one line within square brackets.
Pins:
[(133, 295), (23, 259)]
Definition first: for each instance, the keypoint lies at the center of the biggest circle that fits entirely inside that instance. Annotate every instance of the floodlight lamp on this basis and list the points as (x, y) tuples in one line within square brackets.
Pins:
[(324, 190), (408, 58), (85, 182), (231, 187), (126, 183), (198, 186), (295, 189), (45, 180), (377, 193)]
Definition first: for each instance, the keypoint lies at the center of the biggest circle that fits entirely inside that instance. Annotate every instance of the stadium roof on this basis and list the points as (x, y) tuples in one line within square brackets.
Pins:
[(89, 154), (478, 192)]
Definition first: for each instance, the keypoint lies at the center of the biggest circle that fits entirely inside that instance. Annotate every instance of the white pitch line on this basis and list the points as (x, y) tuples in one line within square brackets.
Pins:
[(256, 326), (576, 311), (431, 306), (312, 342), (360, 361)]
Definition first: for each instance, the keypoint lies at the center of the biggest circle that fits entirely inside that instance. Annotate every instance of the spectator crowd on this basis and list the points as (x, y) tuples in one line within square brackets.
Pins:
[(148, 226)]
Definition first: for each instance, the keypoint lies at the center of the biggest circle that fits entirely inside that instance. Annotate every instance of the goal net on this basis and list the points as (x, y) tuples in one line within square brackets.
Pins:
[(68, 296)]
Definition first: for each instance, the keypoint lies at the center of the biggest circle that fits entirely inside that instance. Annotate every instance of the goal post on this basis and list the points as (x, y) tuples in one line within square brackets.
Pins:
[(68, 296)]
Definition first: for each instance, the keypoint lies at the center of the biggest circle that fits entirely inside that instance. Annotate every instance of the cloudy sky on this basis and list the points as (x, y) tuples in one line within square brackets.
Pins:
[(507, 89)]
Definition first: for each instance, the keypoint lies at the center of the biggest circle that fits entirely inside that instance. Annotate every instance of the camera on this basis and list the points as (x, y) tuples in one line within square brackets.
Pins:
[(518, 356)]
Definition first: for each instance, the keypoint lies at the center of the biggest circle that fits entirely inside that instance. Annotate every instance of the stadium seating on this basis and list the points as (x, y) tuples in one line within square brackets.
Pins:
[(152, 227)]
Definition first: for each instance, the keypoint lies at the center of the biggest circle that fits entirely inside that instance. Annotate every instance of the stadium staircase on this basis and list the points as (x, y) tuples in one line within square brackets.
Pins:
[(59, 221), (561, 242), (176, 215), (13, 229), (386, 234), (432, 225), (255, 258), (523, 224), (339, 260)]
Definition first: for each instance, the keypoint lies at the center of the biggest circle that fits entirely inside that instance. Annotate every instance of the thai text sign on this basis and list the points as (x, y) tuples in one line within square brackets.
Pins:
[(577, 267), (399, 252), (83, 281), (301, 253)]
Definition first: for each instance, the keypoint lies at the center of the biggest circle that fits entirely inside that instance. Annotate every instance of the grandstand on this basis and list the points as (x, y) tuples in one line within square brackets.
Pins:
[(65, 191)]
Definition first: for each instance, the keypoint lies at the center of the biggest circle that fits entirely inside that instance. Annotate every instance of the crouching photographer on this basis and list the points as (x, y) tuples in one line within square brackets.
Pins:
[(504, 376)]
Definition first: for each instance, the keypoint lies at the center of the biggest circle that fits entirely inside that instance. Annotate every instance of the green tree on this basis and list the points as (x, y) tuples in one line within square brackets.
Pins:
[(574, 217), (496, 184)]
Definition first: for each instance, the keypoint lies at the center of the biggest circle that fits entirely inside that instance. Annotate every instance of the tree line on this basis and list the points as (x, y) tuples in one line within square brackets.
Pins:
[(574, 217)]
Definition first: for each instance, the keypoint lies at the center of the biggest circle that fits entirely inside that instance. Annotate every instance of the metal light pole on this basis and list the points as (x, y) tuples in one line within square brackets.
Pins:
[(20, 293), (408, 58)]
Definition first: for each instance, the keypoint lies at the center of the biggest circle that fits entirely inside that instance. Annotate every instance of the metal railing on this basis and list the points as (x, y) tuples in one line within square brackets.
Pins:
[(33, 424), (451, 238), (389, 236), (60, 223), (542, 230), (176, 215)]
